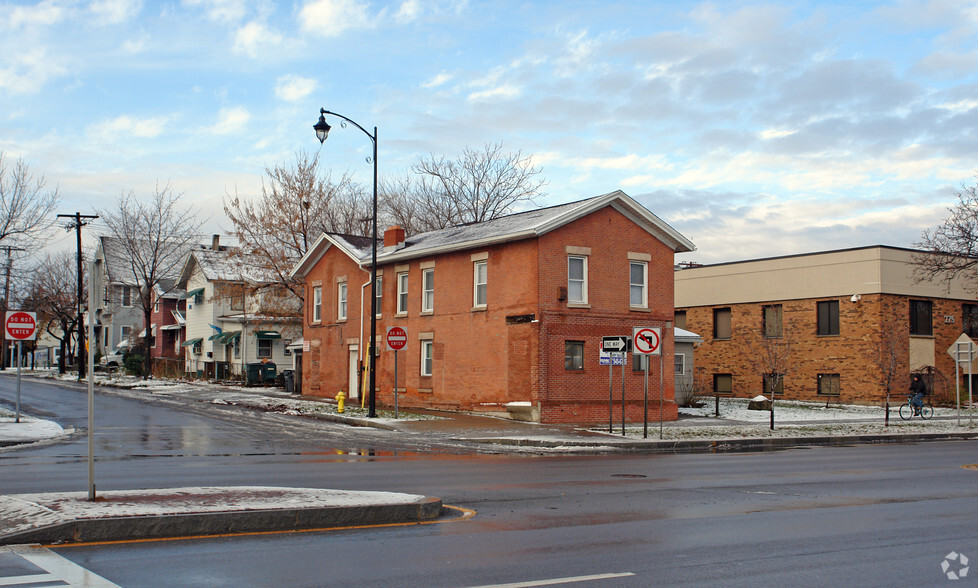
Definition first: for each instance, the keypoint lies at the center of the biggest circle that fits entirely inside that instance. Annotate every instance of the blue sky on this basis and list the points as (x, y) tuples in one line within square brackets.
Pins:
[(754, 129)]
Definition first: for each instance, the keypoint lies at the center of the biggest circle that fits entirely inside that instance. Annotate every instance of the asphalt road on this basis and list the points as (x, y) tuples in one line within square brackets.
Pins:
[(845, 516)]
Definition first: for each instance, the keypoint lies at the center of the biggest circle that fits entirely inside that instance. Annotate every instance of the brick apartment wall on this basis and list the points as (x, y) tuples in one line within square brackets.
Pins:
[(481, 359), (583, 396), (865, 330)]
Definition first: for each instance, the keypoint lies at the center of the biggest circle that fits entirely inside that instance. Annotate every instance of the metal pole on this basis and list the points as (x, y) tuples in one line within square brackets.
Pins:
[(611, 393), (661, 392), (971, 408), (623, 397), (645, 417), (395, 383), (957, 360), (91, 384), (17, 419)]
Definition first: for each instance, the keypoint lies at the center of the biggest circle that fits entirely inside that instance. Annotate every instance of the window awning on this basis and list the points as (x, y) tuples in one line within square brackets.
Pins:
[(268, 334), (191, 342), (192, 293), (227, 338), (171, 327)]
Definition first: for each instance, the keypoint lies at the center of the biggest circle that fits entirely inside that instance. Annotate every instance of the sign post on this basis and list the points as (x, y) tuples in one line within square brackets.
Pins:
[(648, 341), (963, 350), (396, 340), (614, 351), (20, 326)]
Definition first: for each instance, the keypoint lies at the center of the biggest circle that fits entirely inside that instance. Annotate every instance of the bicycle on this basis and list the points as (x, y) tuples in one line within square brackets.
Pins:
[(907, 410)]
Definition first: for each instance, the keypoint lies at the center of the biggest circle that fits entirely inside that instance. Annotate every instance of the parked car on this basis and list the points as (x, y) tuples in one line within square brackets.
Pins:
[(113, 359)]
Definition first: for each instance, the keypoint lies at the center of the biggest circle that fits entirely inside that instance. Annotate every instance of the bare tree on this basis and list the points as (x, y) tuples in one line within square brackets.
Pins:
[(952, 248), (26, 207), (770, 351), (155, 238), (51, 292), (889, 355), (295, 207), (479, 185)]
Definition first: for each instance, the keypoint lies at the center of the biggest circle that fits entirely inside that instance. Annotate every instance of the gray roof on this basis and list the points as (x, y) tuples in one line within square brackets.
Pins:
[(120, 268), (226, 264)]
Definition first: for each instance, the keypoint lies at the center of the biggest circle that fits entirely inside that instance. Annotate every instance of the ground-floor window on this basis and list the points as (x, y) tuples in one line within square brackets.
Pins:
[(427, 357), (574, 355), (773, 385), (723, 383), (829, 384), (264, 348)]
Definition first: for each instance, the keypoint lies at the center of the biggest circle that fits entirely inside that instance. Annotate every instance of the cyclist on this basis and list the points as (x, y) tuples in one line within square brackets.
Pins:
[(919, 390)]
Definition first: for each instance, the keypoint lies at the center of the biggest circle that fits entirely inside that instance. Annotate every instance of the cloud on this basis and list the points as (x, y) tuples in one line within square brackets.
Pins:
[(46, 13), (439, 80), (409, 11), (231, 121), (127, 126), (29, 71), (332, 18), (226, 11), (255, 37), (293, 88), (110, 12)]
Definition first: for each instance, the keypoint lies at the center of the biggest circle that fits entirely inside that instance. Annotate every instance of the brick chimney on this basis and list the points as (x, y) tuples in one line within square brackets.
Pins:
[(216, 242), (394, 238)]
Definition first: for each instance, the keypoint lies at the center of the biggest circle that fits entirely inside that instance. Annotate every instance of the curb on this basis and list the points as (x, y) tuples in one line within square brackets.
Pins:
[(132, 528), (717, 445)]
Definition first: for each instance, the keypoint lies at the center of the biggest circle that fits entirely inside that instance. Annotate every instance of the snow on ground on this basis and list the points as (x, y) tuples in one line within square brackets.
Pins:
[(123, 503), (28, 430)]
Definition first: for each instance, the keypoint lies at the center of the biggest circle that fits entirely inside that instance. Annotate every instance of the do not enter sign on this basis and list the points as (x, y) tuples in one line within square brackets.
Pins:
[(20, 325), (396, 338)]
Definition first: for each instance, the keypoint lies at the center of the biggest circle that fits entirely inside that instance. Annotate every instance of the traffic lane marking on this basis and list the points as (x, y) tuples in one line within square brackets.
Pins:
[(556, 581), (58, 568), (464, 514)]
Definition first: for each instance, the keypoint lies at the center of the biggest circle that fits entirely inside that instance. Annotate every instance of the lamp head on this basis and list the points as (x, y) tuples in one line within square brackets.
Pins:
[(322, 128)]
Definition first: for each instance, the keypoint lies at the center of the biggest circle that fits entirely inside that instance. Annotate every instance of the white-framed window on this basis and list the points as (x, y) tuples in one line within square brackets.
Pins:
[(124, 333), (379, 298), (265, 348), (680, 364), (577, 279), (317, 304), (237, 348), (480, 280), (427, 357), (285, 347), (127, 295), (428, 290), (402, 292), (638, 279), (341, 301)]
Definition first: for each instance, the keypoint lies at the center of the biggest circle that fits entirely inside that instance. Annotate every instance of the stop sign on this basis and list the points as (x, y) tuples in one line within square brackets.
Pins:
[(396, 338), (20, 325)]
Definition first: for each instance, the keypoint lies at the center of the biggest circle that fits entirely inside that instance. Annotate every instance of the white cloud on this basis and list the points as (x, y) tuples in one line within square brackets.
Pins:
[(28, 72), (252, 38), (127, 126), (332, 18), (439, 80), (115, 11), (292, 88), (227, 11), (45, 13), (231, 120), (506, 91), (410, 10)]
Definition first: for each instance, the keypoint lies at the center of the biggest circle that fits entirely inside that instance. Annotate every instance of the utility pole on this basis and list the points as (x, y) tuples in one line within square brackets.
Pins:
[(80, 348), (6, 304)]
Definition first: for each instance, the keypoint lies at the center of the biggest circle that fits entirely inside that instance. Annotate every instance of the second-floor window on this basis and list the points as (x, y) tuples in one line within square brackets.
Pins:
[(402, 292), (921, 322), (341, 301), (828, 317), (722, 328), (428, 290), (773, 320), (577, 279), (638, 275), (480, 280), (127, 295), (317, 304), (378, 299)]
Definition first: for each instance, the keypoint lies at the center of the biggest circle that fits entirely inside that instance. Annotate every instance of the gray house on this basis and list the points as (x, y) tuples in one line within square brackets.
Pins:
[(118, 312)]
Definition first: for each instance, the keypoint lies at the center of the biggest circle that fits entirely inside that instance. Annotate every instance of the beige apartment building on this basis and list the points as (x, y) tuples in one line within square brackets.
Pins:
[(832, 325)]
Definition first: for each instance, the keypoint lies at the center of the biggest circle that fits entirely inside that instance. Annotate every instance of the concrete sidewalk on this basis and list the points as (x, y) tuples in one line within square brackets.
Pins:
[(187, 512)]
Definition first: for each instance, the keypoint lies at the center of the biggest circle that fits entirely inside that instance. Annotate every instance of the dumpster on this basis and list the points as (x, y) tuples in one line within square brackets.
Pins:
[(269, 373), (254, 374), (288, 379)]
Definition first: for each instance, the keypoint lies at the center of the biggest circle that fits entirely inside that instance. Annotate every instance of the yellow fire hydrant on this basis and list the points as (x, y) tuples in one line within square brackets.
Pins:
[(340, 401)]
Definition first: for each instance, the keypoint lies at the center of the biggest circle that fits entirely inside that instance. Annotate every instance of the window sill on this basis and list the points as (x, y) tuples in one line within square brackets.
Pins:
[(401, 315), (639, 309), (427, 312), (578, 305), (425, 390), (479, 309)]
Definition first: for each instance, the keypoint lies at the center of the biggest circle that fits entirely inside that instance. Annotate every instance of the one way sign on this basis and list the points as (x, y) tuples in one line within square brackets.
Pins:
[(616, 343)]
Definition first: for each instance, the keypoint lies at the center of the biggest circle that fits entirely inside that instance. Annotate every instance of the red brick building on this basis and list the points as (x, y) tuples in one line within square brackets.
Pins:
[(502, 317), (168, 322), (848, 319)]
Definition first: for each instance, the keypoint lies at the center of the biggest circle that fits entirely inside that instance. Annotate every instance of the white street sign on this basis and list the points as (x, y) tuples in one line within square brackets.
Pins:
[(647, 340)]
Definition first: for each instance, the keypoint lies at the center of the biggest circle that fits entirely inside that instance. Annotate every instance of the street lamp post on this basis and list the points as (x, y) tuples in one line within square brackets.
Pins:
[(322, 131)]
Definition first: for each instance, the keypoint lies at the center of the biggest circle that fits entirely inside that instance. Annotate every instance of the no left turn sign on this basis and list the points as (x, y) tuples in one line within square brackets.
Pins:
[(647, 340)]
